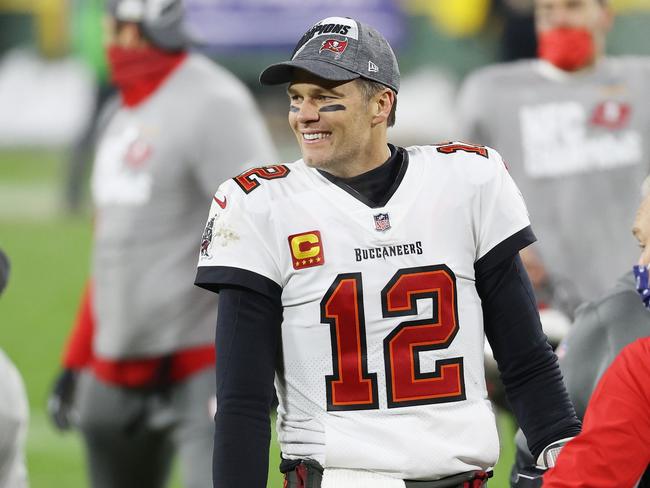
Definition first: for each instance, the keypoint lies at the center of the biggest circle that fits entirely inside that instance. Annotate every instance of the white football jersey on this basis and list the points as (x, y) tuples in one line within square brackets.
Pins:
[(382, 336)]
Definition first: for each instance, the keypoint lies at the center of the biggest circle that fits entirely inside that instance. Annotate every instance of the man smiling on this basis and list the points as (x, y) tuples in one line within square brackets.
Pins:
[(378, 362)]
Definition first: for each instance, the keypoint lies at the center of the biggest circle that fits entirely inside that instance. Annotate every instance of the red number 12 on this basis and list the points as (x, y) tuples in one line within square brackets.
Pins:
[(352, 387)]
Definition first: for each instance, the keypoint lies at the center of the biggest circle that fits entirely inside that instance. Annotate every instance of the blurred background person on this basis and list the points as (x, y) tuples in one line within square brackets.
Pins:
[(573, 128), (14, 411), (602, 328), (144, 337)]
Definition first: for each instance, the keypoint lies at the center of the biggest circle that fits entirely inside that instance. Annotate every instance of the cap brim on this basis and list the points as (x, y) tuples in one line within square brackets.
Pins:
[(280, 73)]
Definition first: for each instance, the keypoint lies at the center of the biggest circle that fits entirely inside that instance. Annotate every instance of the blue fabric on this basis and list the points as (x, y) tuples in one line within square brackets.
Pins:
[(642, 287)]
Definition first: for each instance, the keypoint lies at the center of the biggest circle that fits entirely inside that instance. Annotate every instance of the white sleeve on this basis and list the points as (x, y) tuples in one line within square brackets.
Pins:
[(502, 213), (237, 245)]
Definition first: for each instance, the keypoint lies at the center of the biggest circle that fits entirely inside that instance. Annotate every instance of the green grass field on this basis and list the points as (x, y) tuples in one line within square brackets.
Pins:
[(50, 254)]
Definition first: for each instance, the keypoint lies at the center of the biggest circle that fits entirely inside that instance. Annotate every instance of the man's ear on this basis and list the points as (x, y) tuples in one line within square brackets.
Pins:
[(382, 104)]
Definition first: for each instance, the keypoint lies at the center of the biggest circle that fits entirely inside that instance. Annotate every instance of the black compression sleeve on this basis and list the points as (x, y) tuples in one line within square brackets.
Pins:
[(247, 342), (527, 364)]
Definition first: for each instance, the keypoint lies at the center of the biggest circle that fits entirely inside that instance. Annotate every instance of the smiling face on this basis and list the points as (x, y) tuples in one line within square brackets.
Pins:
[(338, 129)]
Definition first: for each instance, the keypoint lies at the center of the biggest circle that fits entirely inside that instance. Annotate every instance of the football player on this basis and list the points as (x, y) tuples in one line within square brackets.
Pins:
[(364, 278)]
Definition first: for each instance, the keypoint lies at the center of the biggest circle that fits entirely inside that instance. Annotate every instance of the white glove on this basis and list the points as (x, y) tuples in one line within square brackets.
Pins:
[(550, 453)]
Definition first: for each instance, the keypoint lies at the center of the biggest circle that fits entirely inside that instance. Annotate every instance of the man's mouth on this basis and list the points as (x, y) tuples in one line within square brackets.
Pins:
[(315, 136)]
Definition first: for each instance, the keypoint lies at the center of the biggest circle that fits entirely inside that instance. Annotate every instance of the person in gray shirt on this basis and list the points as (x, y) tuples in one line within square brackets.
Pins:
[(573, 128), (144, 335)]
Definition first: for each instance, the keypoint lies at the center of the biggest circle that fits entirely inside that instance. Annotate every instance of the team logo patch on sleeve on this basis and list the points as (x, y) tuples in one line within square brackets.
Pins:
[(306, 249), (206, 238), (382, 222)]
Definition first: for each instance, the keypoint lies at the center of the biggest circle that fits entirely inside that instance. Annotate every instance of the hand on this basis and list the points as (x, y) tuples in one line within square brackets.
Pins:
[(60, 404)]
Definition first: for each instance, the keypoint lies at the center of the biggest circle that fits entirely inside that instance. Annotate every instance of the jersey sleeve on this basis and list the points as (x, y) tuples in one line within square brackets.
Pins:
[(237, 246), (232, 137), (503, 225)]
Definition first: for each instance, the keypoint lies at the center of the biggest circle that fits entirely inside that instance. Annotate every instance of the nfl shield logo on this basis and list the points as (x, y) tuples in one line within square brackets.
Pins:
[(382, 222)]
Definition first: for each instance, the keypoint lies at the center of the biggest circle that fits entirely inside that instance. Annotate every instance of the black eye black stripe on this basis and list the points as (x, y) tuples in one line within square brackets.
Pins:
[(333, 108)]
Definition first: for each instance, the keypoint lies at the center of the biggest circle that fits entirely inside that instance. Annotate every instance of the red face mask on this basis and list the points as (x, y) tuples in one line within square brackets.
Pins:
[(138, 72), (567, 48)]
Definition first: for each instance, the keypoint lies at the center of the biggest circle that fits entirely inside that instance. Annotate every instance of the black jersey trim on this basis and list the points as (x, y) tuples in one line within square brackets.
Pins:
[(396, 151), (506, 248), (213, 278)]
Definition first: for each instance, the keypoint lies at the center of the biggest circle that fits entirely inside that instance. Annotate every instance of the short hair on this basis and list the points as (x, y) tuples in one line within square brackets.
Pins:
[(370, 88)]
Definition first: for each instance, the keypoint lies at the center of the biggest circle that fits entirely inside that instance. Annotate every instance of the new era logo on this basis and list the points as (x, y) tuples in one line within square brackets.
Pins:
[(372, 67)]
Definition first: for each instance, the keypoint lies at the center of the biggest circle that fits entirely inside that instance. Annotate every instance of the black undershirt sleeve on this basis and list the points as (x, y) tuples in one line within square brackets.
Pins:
[(527, 365), (247, 342)]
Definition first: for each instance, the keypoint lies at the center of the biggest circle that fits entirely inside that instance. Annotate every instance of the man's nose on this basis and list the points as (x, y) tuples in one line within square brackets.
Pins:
[(307, 112)]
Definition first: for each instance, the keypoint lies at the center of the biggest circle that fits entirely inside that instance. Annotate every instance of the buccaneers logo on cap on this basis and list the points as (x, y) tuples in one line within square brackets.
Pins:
[(334, 46)]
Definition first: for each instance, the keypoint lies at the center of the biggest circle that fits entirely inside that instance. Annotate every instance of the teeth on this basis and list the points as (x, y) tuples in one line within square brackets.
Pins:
[(313, 137)]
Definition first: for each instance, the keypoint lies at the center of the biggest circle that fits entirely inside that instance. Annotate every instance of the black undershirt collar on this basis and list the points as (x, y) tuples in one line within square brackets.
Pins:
[(375, 187)]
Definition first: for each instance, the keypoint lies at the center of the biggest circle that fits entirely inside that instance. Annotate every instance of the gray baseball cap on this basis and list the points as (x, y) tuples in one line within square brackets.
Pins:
[(161, 20), (339, 49)]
